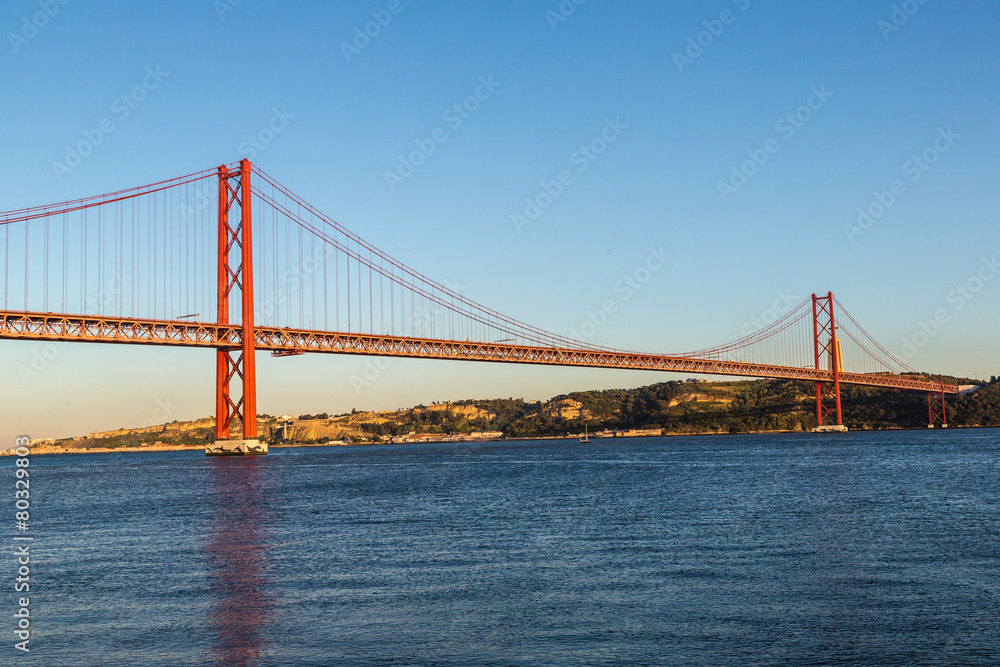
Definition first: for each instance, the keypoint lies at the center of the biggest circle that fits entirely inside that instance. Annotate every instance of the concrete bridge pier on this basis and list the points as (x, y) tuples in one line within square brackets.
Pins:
[(236, 448)]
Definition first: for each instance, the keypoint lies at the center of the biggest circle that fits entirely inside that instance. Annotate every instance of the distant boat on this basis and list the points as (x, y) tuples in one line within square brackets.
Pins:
[(585, 438)]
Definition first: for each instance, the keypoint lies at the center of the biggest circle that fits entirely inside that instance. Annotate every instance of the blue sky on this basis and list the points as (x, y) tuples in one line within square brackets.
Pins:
[(888, 89)]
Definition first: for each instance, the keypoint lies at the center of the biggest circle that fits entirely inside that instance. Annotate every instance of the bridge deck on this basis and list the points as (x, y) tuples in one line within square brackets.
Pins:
[(99, 329)]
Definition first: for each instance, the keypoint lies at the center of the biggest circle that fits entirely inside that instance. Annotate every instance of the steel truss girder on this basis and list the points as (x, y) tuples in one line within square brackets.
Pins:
[(43, 326)]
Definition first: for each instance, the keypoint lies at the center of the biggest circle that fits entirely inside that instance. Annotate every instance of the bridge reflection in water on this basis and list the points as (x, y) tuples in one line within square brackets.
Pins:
[(237, 546)]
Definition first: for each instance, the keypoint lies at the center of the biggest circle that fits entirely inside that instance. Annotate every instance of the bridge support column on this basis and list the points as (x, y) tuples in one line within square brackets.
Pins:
[(936, 409), (826, 347), (236, 358)]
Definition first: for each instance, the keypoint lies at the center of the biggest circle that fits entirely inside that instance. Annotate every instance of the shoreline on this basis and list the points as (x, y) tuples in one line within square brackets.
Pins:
[(43, 450)]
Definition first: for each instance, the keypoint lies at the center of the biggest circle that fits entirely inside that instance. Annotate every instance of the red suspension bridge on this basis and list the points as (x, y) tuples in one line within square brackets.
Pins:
[(149, 264)]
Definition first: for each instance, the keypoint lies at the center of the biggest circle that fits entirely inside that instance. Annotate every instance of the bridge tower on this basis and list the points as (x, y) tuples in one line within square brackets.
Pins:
[(826, 346), (936, 410), (236, 358)]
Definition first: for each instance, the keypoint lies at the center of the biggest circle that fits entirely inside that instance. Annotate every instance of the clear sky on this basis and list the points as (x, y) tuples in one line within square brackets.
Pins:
[(835, 101)]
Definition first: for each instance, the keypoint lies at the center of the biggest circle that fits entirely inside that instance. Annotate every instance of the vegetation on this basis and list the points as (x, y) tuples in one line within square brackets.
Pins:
[(675, 407), (692, 407)]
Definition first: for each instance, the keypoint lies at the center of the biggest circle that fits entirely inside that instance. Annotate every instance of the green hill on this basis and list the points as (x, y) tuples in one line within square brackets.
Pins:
[(675, 407), (692, 407)]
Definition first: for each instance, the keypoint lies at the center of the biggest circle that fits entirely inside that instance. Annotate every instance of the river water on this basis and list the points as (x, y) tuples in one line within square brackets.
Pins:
[(859, 548)]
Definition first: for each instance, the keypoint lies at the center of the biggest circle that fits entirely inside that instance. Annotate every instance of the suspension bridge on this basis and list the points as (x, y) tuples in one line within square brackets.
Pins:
[(228, 258)]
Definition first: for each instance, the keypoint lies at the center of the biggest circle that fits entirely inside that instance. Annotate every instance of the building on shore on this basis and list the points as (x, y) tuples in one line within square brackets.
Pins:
[(450, 437), (630, 433)]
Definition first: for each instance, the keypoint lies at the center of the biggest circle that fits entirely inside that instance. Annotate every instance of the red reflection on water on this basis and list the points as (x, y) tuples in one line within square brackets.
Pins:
[(237, 546)]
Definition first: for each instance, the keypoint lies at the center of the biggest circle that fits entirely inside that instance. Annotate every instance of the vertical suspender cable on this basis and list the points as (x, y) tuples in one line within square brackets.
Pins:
[(154, 250), (6, 266), (26, 239), (132, 250), (287, 273), (261, 211), (84, 235), (100, 259), (150, 269), (326, 288), (65, 263), (348, 285), (336, 286), (119, 248), (168, 251), (165, 258), (45, 269), (188, 255), (199, 307), (302, 282), (309, 266), (274, 247)]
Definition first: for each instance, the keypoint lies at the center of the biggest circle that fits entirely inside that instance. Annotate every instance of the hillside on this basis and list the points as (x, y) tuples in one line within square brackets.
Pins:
[(674, 407)]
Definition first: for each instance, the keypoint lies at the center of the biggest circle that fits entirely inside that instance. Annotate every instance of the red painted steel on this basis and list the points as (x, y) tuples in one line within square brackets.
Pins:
[(249, 415), (819, 385), (36, 212), (222, 370), (825, 327), (937, 411), (97, 329), (835, 361), (237, 342), (236, 360)]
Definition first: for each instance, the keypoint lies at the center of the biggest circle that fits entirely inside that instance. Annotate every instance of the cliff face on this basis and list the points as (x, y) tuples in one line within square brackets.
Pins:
[(318, 430), (156, 430), (567, 408)]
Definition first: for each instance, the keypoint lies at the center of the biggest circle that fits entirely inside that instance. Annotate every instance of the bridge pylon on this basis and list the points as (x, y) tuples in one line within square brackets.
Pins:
[(826, 346), (235, 359), (936, 409)]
